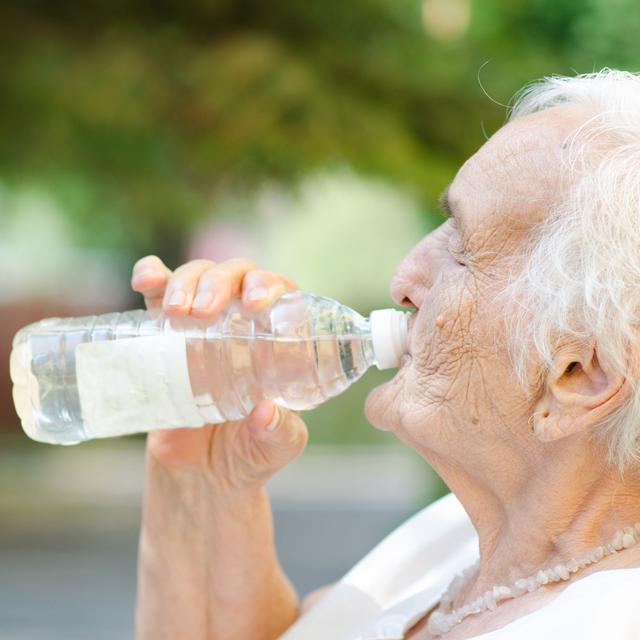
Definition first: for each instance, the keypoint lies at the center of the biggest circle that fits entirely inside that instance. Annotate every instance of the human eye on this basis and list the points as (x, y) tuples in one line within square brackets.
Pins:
[(456, 247)]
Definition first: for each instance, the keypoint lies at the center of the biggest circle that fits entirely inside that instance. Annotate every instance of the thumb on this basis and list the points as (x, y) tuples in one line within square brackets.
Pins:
[(279, 434)]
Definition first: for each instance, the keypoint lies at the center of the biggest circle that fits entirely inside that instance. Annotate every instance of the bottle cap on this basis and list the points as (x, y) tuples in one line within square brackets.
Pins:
[(389, 333)]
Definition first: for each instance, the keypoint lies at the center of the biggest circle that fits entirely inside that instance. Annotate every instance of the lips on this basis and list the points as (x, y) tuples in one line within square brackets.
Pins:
[(410, 322)]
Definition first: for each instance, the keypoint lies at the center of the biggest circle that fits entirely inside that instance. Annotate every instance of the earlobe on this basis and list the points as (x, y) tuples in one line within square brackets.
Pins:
[(580, 390), (554, 425)]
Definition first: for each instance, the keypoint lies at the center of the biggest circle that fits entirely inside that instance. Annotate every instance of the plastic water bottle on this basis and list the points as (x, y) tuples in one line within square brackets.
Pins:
[(99, 376)]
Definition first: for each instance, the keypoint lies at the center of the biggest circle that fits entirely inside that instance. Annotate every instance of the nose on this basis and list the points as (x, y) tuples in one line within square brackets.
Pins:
[(411, 278)]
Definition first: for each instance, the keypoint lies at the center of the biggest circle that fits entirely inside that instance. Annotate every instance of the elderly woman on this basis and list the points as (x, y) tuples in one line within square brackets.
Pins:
[(520, 391)]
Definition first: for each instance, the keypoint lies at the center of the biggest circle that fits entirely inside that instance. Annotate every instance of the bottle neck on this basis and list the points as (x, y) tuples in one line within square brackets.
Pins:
[(368, 352)]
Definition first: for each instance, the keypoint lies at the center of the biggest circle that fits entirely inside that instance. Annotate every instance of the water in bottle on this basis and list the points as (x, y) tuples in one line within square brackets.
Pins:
[(99, 376)]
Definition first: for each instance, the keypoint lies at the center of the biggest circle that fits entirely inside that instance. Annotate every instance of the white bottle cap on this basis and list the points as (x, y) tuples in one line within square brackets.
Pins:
[(389, 334)]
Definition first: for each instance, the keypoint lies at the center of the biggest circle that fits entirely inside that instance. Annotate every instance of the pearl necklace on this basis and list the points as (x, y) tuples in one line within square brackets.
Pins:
[(444, 619)]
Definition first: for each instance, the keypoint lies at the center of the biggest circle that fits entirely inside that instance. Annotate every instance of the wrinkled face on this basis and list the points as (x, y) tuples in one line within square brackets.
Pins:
[(458, 392)]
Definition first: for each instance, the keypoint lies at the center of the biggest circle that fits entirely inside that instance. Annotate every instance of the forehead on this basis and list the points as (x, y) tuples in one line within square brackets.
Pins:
[(516, 175)]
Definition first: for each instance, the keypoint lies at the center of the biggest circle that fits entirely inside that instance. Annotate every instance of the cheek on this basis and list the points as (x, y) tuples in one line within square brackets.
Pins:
[(422, 387), (442, 338), (420, 384)]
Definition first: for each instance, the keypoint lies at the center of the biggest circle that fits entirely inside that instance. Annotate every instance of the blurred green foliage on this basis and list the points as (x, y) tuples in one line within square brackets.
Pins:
[(141, 118), (138, 116)]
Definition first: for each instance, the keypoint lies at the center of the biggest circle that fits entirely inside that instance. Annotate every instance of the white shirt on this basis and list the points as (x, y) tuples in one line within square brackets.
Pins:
[(394, 586)]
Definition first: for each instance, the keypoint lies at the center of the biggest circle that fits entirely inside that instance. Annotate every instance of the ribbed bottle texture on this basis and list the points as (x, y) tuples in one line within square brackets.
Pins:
[(97, 376)]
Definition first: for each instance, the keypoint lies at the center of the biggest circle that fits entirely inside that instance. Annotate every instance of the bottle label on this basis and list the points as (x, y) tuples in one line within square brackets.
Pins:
[(135, 384)]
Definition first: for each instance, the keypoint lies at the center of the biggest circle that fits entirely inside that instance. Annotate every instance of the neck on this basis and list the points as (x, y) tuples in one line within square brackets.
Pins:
[(541, 509)]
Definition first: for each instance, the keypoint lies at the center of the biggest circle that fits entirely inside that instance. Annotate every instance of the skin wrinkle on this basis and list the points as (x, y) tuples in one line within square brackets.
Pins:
[(502, 248), (457, 401)]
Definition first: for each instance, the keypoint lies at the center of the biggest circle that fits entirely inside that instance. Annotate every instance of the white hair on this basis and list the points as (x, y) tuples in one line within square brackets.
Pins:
[(581, 277)]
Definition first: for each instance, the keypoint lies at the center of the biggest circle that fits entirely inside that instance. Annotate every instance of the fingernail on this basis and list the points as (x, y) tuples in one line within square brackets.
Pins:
[(145, 273), (178, 298), (275, 421), (203, 300), (259, 293)]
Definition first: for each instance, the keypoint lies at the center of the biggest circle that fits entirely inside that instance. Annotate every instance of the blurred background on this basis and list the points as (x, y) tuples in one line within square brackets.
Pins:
[(311, 136)]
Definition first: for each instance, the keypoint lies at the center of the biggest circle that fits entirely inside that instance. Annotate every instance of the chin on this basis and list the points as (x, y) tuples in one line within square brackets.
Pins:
[(381, 406), (372, 408)]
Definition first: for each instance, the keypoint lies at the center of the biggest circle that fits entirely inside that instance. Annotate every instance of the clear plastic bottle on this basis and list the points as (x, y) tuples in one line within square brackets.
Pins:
[(98, 376)]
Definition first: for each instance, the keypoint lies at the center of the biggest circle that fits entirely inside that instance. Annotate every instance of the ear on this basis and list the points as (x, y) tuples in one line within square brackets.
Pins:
[(580, 390)]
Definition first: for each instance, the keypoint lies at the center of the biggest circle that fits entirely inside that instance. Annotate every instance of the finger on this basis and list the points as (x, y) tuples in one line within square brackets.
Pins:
[(218, 285), (149, 277), (280, 434), (262, 288), (181, 287)]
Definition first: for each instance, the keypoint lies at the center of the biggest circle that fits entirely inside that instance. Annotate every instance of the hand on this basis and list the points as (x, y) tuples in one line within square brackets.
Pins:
[(237, 455)]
